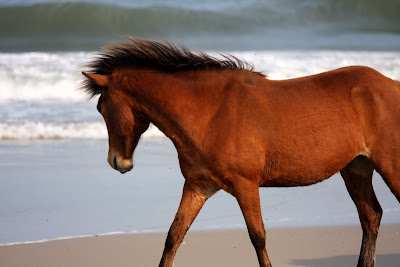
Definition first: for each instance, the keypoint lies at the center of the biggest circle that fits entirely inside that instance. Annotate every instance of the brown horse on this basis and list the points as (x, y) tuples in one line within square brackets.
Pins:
[(236, 130)]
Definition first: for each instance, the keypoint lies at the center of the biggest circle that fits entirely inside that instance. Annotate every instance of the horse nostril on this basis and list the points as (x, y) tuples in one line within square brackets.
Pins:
[(115, 162)]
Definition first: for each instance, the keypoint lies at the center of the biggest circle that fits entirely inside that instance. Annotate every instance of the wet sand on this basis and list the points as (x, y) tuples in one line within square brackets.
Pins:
[(319, 246)]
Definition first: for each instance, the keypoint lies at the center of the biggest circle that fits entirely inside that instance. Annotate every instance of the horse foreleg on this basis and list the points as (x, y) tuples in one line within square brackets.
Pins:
[(358, 179), (247, 195), (191, 203)]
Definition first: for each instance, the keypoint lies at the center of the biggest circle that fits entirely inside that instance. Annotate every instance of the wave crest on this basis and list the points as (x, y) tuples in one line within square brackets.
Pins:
[(61, 131), (89, 23)]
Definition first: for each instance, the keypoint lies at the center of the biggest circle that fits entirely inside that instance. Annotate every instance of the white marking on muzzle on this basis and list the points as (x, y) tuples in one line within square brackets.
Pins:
[(120, 164)]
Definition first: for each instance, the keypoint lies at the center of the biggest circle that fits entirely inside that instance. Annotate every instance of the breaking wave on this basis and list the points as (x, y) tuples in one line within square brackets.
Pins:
[(61, 25)]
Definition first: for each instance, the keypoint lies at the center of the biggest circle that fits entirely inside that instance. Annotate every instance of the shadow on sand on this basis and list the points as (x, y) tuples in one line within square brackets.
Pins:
[(386, 260)]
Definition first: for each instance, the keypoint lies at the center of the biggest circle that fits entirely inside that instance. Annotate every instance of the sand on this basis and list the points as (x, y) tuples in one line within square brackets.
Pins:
[(319, 246)]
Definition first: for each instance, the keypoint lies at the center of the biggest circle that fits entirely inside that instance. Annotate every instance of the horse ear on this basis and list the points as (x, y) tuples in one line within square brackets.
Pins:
[(101, 80)]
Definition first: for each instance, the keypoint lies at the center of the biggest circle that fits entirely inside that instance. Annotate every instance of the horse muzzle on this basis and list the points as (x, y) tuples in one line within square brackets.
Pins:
[(120, 164)]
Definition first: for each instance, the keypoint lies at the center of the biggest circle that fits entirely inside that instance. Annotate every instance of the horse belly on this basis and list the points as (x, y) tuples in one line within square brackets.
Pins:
[(299, 177), (313, 159)]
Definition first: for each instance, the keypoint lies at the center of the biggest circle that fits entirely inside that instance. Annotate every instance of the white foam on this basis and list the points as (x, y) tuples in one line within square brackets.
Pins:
[(62, 130), (52, 130), (131, 232), (43, 240), (292, 64), (64, 238), (41, 76)]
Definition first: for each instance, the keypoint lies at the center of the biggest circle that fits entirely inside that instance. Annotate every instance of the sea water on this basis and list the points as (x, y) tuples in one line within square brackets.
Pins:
[(55, 181), (40, 96)]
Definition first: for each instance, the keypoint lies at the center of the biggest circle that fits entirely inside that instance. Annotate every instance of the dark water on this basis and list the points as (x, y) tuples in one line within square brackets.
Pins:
[(32, 25)]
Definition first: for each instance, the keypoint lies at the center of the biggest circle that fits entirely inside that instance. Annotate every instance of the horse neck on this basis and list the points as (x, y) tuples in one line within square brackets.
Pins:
[(180, 104)]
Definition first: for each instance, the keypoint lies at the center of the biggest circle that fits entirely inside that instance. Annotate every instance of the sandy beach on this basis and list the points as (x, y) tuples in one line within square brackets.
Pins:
[(319, 246)]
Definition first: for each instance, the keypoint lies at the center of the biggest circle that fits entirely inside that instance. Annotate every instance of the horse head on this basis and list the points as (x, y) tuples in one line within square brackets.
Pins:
[(125, 122)]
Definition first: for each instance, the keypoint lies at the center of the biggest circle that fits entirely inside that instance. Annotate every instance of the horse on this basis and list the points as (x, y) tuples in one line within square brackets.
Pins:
[(236, 130)]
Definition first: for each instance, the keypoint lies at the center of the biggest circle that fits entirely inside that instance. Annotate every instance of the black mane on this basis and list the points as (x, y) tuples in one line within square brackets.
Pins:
[(164, 56)]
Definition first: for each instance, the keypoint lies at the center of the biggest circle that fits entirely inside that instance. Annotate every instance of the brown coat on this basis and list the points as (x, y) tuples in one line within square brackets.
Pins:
[(236, 130)]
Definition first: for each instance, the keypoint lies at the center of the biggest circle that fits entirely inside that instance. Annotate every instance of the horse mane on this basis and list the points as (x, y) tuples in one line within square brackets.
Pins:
[(164, 56)]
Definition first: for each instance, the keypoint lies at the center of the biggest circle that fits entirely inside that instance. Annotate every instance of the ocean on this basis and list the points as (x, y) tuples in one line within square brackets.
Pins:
[(223, 25), (55, 181)]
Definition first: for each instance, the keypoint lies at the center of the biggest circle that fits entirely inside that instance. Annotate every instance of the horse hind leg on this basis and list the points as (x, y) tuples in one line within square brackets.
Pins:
[(357, 176)]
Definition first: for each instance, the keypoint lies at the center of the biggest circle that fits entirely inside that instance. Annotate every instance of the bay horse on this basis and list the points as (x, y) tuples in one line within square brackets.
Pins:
[(236, 130)]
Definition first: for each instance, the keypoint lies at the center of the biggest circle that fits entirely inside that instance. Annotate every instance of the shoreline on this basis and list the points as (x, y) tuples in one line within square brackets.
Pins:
[(303, 246), (195, 230)]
